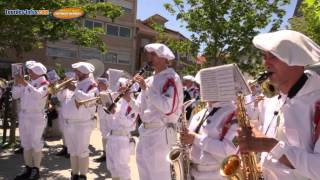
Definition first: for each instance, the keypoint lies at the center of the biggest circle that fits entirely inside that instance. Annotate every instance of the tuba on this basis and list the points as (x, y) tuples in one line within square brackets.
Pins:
[(179, 155)]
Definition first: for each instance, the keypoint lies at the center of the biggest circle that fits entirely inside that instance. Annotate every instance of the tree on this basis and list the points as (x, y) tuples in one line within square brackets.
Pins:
[(309, 22), (226, 27), (24, 33)]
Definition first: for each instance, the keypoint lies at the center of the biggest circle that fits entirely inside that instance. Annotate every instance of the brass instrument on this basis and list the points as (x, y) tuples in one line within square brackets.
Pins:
[(244, 167), (267, 87), (55, 88), (104, 98), (89, 102), (179, 155)]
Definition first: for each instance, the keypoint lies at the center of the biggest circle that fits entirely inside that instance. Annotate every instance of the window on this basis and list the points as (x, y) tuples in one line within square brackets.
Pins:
[(111, 57), (86, 53), (125, 32), (124, 58), (126, 10), (115, 30), (61, 52), (112, 30), (92, 24)]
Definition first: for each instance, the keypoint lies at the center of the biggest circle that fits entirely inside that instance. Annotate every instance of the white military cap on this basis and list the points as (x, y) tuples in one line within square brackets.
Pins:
[(103, 80), (161, 50), (36, 67), (70, 75), (188, 77), (291, 47), (121, 81), (83, 67)]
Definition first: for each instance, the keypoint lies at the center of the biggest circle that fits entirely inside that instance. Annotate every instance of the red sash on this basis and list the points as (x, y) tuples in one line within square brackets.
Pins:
[(316, 122), (171, 82), (226, 126)]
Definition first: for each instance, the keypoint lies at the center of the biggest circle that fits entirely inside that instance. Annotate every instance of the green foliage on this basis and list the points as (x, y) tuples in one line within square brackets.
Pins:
[(226, 27), (59, 70), (309, 22), (24, 33)]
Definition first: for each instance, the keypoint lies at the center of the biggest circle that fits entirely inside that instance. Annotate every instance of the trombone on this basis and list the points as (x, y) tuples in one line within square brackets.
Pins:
[(104, 99)]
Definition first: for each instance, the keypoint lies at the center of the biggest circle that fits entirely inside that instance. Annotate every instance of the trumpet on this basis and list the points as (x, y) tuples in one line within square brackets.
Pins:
[(55, 88), (104, 98), (11, 82), (129, 85), (89, 102)]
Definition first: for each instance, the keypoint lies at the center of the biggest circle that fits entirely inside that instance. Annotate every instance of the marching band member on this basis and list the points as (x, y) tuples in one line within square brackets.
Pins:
[(211, 133), (118, 144), (32, 118), (191, 91), (79, 122), (293, 148), (64, 96), (103, 85), (159, 107)]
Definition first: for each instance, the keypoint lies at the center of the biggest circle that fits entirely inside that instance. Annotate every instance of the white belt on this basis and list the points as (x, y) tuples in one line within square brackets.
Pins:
[(71, 121), (118, 133), (200, 167), (31, 111), (152, 125)]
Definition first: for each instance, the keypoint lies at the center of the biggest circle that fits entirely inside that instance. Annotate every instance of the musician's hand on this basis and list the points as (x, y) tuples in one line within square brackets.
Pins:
[(71, 86), (257, 100), (140, 80), (20, 80), (256, 144), (187, 137)]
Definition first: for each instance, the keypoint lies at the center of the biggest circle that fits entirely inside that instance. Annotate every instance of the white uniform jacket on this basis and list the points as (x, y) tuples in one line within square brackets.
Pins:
[(86, 89), (214, 142), (294, 128), (162, 101), (33, 96)]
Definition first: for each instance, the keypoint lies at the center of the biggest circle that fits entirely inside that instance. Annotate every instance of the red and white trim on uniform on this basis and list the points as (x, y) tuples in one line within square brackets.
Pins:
[(226, 126), (175, 102), (316, 123)]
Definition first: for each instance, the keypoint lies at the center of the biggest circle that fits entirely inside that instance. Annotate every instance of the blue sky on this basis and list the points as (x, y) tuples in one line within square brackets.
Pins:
[(147, 8)]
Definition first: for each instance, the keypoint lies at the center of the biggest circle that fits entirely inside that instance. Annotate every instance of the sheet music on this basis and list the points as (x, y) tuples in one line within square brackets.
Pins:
[(114, 75), (221, 83)]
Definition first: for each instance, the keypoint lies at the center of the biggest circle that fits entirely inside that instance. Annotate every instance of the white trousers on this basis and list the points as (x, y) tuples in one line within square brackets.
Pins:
[(31, 127), (118, 156), (152, 151), (104, 128), (77, 136), (206, 175)]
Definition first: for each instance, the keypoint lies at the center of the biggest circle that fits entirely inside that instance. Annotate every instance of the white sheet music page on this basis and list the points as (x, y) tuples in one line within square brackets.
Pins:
[(221, 83)]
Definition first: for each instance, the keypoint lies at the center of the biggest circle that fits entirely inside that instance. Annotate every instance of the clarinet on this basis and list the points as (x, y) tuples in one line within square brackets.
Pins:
[(129, 85)]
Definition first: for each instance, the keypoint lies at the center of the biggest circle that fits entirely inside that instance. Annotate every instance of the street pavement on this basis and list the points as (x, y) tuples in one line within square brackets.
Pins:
[(56, 167)]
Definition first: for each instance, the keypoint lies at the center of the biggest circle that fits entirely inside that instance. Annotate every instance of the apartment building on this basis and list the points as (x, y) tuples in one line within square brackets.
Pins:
[(119, 38)]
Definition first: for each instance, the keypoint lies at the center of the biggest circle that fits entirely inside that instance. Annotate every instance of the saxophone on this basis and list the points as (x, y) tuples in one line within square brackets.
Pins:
[(244, 167), (179, 155)]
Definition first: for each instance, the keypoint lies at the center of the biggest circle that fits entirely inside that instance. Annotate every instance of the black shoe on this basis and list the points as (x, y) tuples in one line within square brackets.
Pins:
[(74, 176), (24, 175), (82, 177), (35, 174), (63, 151), (18, 150), (100, 159)]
